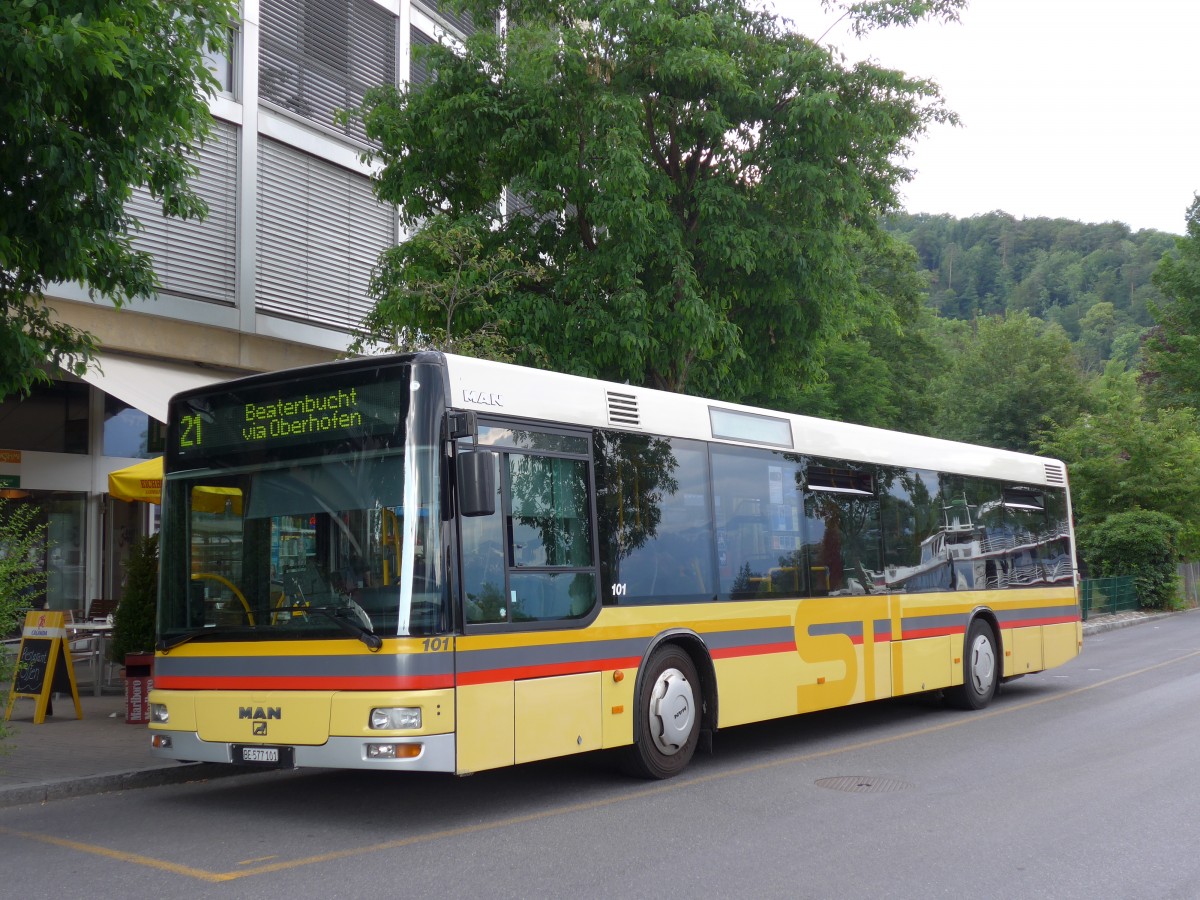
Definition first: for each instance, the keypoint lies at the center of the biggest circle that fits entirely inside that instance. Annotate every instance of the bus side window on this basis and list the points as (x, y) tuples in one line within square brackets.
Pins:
[(532, 559), (549, 529)]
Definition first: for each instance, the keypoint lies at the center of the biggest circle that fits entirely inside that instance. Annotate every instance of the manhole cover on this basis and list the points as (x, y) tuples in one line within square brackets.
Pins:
[(864, 784)]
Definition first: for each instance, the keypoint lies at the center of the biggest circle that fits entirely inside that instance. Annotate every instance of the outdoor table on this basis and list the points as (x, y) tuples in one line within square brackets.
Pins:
[(101, 632)]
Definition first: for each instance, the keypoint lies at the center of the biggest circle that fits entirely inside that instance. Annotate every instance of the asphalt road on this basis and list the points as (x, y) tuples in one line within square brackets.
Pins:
[(1081, 782)]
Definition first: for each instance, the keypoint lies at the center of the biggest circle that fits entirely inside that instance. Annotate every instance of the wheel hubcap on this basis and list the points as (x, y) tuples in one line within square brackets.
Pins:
[(982, 665), (672, 712)]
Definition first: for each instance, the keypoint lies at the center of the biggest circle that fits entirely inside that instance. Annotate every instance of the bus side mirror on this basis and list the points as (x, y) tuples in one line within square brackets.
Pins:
[(477, 482)]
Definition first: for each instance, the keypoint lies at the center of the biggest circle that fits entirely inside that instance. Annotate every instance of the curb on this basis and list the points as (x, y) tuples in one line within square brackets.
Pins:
[(1114, 624), (67, 788)]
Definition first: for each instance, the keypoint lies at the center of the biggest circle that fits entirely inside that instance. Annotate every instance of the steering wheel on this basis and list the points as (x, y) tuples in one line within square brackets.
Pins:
[(229, 584)]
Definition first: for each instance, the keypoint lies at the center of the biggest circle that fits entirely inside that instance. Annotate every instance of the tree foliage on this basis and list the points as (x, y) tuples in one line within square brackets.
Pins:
[(100, 97), (1173, 350), (687, 176), (881, 373), (1011, 379), (1129, 455), (1094, 280), (1140, 543), (22, 576), (442, 279)]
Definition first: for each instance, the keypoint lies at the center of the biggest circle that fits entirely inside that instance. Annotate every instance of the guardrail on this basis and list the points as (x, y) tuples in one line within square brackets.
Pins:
[(1108, 595)]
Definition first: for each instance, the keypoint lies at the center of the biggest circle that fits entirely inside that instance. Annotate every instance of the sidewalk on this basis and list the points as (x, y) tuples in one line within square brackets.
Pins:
[(69, 757)]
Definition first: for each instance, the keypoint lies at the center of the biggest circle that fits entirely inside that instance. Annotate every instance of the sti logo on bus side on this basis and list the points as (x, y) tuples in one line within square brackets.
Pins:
[(258, 712)]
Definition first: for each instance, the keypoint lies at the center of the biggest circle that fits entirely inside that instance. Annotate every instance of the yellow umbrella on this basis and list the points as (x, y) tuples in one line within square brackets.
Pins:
[(143, 481)]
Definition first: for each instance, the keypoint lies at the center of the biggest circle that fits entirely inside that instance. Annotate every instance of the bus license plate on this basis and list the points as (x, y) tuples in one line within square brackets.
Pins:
[(278, 757)]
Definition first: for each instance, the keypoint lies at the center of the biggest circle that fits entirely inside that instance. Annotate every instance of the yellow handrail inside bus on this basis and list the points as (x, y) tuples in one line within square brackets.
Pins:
[(229, 584), (391, 532)]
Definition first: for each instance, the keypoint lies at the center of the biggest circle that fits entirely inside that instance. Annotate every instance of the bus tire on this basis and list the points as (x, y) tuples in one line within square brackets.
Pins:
[(666, 726), (980, 668)]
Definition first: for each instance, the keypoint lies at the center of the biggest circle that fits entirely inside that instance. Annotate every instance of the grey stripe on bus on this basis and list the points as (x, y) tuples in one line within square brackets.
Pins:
[(381, 666)]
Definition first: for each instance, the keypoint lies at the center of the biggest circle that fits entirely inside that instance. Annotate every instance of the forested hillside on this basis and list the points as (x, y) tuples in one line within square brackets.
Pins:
[(1045, 335), (1093, 280)]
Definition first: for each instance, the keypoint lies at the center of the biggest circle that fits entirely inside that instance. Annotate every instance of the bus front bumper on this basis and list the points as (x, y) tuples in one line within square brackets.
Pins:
[(426, 753)]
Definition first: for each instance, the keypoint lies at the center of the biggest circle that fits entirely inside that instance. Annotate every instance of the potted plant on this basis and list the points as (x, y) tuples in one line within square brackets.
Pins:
[(133, 622)]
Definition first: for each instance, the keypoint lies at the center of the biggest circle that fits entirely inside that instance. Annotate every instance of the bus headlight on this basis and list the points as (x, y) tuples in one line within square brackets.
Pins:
[(393, 718), (158, 713)]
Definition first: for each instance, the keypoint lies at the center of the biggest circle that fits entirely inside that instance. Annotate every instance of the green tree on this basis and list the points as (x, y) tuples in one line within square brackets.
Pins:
[(1140, 543), (1173, 349), (1097, 329), (22, 578), (442, 279), (688, 176), (1129, 455), (880, 373), (1012, 379), (100, 97)]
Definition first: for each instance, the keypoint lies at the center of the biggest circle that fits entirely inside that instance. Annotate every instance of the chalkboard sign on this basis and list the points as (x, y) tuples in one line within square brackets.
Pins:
[(43, 665), (32, 665)]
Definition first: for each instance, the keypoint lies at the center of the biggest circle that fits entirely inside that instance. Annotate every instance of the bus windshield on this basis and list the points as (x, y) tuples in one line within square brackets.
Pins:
[(344, 540)]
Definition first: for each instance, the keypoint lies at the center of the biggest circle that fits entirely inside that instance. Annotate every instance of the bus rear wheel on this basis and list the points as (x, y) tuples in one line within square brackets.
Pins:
[(980, 668), (666, 724)]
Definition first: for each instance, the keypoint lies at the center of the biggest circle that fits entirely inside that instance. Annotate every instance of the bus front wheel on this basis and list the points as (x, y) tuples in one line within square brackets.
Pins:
[(666, 724), (980, 668)]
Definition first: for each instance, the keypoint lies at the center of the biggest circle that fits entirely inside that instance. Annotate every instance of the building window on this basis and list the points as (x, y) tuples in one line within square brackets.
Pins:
[(130, 432), (320, 232), (321, 56), (461, 22), (418, 67), (52, 419), (223, 64), (197, 259)]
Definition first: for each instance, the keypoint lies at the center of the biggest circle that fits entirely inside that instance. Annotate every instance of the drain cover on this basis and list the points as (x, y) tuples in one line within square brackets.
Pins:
[(863, 784)]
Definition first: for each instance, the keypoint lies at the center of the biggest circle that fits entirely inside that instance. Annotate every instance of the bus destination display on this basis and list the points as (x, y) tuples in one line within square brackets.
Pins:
[(286, 415)]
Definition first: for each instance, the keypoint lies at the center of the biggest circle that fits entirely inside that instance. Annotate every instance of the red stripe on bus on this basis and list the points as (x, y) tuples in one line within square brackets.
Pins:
[(303, 683)]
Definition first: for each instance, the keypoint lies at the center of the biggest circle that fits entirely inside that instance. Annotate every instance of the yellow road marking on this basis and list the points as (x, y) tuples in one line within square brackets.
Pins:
[(119, 855), (665, 787)]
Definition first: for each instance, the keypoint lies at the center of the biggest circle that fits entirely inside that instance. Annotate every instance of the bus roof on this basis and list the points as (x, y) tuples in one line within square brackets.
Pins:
[(502, 389)]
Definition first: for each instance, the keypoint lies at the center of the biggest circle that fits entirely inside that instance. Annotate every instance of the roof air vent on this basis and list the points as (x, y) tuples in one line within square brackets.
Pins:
[(623, 410), (1055, 474)]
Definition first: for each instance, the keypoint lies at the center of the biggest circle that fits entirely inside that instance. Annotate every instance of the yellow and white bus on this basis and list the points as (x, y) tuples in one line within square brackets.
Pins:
[(431, 563)]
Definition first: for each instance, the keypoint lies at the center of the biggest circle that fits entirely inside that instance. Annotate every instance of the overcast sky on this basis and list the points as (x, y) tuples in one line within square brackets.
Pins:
[(1081, 109)]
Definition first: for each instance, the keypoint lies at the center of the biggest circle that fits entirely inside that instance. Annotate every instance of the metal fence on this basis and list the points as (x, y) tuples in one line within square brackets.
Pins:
[(1108, 595), (1189, 583)]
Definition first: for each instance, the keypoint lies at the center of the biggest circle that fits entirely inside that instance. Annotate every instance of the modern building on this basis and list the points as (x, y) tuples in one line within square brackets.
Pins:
[(276, 276)]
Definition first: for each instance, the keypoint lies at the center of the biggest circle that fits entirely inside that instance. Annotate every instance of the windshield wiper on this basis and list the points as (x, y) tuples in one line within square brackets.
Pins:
[(163, 645), (338, 615)]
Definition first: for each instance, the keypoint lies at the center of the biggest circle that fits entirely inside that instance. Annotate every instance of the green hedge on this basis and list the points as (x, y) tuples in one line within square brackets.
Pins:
[(1140, 543)]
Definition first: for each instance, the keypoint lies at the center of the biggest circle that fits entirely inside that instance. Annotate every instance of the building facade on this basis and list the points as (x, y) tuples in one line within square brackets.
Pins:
[(276, 276)]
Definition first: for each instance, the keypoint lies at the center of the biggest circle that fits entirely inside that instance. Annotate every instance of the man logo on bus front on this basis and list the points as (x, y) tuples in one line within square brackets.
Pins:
[(260, 728)]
